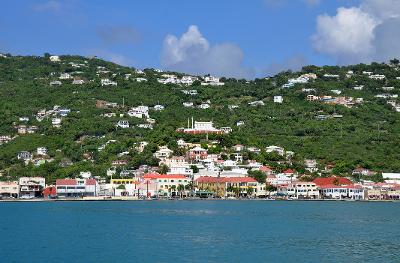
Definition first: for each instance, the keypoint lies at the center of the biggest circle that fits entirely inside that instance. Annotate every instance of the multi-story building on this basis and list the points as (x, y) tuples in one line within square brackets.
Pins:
[(31, 187), (196, 154), (9, 189), (77, 187), (168, 184), (227, 186)]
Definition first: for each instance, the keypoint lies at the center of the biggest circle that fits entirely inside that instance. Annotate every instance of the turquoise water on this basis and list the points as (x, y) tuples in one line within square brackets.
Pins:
[(200, 231)]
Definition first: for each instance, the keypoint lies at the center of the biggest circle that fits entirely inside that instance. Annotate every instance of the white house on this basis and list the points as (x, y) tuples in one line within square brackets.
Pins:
[(55, 83), (279, 150), (65, 76), (163, 152), (159, 107), (123, 124), (24, 155), (30, 187), (55, 59), (139, 112), (393, 178), (78, 81), (56, 122), (278, 99), (187, 104), (107, 82), (41, 151), (212, 81)]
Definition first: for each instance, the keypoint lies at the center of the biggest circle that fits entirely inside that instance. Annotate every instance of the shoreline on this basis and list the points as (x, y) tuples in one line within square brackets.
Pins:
[(126, 199)]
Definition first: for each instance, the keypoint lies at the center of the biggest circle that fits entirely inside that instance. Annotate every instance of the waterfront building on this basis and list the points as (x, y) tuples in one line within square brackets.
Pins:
[(227, 186), (9, 189), (31, 187), (168, 184), (77, 187)]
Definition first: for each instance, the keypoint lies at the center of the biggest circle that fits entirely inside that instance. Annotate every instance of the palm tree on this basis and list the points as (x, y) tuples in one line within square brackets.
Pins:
[(230, 188), (172, 188), (249, 191), (181, 188), (236, 190)]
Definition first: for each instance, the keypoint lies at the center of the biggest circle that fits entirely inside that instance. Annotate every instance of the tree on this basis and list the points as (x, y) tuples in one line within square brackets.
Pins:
[(249, 191), (194, 168), (163, 169), (180, 189), (394, 61), (236, 190), (258, 175)]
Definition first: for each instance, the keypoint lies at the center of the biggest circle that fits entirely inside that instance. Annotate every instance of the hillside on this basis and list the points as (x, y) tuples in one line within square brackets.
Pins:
[(339, 131)]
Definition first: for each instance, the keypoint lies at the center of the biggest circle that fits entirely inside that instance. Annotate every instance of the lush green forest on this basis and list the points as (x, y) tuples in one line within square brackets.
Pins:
[(366, 135)]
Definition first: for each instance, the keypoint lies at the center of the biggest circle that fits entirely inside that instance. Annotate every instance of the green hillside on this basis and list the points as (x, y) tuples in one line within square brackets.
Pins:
[(367, 134)]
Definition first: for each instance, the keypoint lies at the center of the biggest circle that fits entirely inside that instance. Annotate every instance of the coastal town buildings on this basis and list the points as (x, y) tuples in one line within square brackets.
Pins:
[(77, 187)]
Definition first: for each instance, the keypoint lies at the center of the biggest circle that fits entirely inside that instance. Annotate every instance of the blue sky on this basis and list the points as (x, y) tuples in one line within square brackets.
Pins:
[(227, 37)]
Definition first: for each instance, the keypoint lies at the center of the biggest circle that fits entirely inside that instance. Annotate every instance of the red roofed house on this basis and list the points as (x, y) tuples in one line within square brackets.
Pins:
[(339, 188), (223, 186), (197, 153), (266, 169), (168, 184), (288, 172), (76, 187), (332, 180)]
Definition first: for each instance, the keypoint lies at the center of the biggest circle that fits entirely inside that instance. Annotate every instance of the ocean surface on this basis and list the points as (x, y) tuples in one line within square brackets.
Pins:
[(200, 231)]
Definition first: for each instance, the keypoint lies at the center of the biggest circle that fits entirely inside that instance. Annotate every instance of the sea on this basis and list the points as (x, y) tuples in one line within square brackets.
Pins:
[(200, 231)]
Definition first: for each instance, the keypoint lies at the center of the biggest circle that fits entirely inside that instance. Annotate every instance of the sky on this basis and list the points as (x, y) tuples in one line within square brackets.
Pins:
[(232, 38)]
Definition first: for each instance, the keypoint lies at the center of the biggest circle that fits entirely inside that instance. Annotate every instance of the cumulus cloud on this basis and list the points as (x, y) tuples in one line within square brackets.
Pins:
[(193, 54), (360, 34), (118, 34)]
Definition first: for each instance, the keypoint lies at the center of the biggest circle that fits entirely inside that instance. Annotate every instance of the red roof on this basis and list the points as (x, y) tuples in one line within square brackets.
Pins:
[(163, 176), (208, 179), (332, 181), (65, 182), (265, 169), (74, 182), (352, 186), (288, 171), (91, 182)]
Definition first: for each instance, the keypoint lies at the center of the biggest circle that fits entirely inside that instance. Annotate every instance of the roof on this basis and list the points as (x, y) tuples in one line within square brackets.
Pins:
[(208, 179), (74, 181), (391, 175), (163, 176), (350, 186), (265, 169), (332, 181), (288, 171)]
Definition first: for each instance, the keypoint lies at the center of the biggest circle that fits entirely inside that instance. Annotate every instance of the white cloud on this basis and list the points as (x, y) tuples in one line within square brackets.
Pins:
[(193, 54), (360, 34), (346, 36)]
